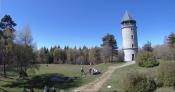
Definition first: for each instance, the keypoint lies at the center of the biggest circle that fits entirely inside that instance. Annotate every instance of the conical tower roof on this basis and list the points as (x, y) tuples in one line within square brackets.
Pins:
[(127, 17)]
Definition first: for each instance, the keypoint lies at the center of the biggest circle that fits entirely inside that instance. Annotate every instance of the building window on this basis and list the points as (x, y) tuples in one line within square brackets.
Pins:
[(132, 37), (132, 45), (132, 28)]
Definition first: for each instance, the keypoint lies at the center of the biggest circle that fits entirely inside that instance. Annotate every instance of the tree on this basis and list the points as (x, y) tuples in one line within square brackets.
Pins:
[(109, 47), (106, 54), (7, 23), (7, 36), (24, 51), (171, 40), (25, 36), (166, 73), (44, 55), (69, 54), (56, 55), (80, 60), (147, 47), (146, 59), (59, 55), (164, 52), (51, 54), (75, 55), (24, 57), (1, 45), (85, 52), (94, 56), (63, 56), (120, 57)]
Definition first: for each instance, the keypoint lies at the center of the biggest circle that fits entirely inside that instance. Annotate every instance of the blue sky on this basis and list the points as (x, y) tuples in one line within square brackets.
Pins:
[(85, 22)]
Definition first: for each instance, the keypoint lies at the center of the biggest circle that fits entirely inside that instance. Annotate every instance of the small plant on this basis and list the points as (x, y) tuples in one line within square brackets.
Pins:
[(166, 73), (138, 82), (146, 59)]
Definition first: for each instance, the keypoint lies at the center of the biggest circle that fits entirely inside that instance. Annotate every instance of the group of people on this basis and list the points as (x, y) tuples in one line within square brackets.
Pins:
[(92, 71), (47, 89)]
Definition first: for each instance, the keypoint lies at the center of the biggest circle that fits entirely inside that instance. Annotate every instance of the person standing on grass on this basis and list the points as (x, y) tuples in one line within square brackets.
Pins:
[(46, 89), (24, 90), (82, 71), (53, 89), (31, 90), (90, 71)]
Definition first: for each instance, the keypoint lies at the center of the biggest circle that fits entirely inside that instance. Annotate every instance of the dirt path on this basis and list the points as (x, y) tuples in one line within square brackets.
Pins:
[(98, 83)]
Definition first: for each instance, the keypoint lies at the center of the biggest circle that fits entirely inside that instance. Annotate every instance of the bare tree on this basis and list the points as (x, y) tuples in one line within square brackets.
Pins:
[(106, 54), (25, 55), (147, 47), (164, 52), (25, 36), (94, 55), (56, 55)]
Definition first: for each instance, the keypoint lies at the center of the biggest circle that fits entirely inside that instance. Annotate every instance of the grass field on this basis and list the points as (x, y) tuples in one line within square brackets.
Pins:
[(51, 70), (116, 79), (66, 70)]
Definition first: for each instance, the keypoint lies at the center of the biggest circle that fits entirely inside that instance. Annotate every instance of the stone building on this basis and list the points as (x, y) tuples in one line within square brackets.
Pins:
[(129, 35)]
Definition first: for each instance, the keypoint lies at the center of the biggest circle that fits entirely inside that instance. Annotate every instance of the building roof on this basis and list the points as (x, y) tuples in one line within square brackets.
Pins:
[(127, 17)]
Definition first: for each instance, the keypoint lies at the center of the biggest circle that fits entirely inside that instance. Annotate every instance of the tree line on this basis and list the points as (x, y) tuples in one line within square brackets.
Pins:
[(165, 51), (18, 50), (108, 52)]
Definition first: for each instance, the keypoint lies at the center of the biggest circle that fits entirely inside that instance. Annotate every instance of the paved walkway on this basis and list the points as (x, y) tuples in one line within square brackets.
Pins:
[(94, 86)]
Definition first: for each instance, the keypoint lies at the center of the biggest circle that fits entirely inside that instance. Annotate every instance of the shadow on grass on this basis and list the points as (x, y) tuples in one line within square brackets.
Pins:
[(56, 80), (3, 90)]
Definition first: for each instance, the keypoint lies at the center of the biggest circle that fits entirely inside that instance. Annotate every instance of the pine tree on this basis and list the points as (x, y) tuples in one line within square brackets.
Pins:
[(109, 47), (171, 40)]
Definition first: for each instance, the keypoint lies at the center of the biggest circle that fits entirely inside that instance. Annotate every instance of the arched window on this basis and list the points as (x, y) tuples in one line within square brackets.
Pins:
[(132, 37)]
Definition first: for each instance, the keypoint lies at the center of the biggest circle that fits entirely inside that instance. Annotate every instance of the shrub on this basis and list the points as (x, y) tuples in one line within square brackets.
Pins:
[(137, 82), (146, 59), (166, 73)]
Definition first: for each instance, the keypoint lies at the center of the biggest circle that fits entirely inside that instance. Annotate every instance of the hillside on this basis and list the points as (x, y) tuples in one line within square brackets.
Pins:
[(116, 79)]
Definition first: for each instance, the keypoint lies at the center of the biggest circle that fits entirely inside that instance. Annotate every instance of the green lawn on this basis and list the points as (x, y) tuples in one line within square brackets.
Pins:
[(44, 71), (116, 79), (74, 71)]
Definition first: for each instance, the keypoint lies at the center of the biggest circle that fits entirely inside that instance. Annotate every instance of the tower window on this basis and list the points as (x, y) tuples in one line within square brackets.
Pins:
[(132, 37), (132, 28), (132, 45)]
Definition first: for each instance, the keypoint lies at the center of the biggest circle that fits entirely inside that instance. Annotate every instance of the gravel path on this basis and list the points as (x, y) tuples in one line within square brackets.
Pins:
[(94, 86)]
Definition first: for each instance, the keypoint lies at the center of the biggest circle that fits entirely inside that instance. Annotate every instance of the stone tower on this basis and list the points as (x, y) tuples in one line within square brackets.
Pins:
[(129, 34)]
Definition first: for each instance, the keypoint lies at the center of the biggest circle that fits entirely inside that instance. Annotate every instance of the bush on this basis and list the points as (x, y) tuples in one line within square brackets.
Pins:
[(146, 59), (166, 73), (137, 82)]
